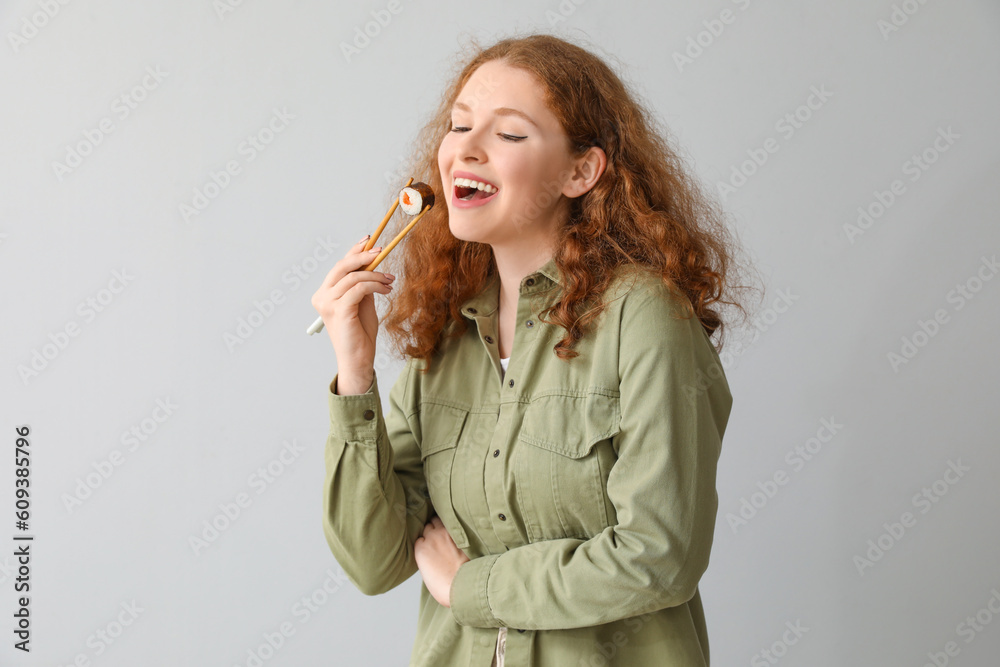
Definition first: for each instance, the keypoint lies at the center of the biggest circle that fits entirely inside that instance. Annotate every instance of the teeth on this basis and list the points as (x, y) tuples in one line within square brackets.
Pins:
[(469, 183)]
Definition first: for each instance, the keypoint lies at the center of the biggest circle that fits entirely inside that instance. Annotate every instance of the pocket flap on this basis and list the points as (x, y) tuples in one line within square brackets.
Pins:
[(441, 426), (571, 425)]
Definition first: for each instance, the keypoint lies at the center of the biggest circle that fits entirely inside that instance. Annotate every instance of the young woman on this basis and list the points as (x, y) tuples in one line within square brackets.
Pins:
[(549, 455)]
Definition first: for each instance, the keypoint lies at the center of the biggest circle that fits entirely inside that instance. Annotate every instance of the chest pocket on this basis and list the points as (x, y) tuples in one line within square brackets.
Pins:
[(563, 459), (441, 427)]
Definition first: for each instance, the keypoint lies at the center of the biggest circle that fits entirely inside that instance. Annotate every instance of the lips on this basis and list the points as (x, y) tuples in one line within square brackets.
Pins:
[(474, 177), (478, 198)]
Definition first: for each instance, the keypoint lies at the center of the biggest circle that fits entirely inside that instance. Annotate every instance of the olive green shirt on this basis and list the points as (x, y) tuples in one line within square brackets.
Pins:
[(583, 491)]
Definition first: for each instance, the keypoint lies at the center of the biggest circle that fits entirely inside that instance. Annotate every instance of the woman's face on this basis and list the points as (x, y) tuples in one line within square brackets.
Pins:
[(504, 134)]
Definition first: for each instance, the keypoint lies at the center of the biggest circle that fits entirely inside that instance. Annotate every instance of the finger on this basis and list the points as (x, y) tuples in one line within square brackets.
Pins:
[(359, 291), (353, 261), (350, 262), (350, 291), (360, 276)]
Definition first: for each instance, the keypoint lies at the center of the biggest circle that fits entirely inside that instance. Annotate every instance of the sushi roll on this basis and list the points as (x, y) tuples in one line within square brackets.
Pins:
[(414, 198)]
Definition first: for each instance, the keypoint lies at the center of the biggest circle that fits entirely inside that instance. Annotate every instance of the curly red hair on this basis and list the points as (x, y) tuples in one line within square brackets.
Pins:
[(644, 210)]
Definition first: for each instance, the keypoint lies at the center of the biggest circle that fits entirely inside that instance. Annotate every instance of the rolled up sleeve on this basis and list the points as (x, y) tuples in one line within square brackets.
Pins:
[(675, 403)]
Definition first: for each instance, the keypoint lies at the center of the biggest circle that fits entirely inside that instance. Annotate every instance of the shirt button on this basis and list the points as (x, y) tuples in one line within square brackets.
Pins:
[(502, 517), (520, 630), (489, 339), (472, 310), (369, 414), (529, 282), (510, 383), (529, 324), (496, 453)]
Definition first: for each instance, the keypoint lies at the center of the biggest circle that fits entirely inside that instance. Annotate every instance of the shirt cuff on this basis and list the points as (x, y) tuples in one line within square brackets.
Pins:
[(354, 417), (469, 602)]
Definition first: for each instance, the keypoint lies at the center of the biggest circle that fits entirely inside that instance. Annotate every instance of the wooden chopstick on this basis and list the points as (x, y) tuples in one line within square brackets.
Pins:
[(399, 237), (392, 209), (317, 326)]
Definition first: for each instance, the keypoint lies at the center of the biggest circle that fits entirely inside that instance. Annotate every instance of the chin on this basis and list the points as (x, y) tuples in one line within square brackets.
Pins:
[(462, 232)]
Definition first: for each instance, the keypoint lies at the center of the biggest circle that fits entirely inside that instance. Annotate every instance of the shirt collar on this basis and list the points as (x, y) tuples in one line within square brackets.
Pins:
[(487, 301)]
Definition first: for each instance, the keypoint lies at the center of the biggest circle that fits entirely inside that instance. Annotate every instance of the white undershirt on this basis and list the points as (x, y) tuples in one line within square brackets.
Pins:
[(503, 362)]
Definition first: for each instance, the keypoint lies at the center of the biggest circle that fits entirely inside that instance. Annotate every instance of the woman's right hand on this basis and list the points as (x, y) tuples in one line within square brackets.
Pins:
[(346, 303)]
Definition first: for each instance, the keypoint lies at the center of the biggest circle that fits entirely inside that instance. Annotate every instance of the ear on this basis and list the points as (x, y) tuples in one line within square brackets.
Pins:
[(586, 171)]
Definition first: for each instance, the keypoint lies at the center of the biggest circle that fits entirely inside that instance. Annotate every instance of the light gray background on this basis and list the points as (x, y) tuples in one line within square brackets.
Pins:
[(331, 173)]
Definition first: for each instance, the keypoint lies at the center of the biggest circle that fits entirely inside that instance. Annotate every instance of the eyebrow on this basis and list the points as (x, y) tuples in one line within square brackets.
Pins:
[(501, 111)]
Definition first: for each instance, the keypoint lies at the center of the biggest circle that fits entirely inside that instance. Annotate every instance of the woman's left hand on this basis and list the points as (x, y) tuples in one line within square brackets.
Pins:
[(438, 560)]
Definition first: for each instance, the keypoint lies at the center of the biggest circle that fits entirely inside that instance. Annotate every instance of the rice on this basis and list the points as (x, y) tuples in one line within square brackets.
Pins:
[(414, 198)]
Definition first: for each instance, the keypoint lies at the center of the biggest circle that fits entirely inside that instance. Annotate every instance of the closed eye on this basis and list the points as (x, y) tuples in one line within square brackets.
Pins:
[(506, 137)]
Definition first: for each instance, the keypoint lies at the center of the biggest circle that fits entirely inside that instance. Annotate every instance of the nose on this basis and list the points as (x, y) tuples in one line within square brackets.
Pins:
[(470, 145)]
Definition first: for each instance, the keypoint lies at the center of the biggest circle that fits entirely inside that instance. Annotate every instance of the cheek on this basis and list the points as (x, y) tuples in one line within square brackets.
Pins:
[(526, 174), (444, 154), (441, 159)]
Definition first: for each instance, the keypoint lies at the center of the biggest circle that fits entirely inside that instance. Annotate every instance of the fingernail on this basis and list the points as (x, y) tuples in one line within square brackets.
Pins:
[(376, 250), (365, 238)]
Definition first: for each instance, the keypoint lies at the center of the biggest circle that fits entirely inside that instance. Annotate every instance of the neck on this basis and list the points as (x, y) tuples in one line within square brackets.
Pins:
[(513, 265)]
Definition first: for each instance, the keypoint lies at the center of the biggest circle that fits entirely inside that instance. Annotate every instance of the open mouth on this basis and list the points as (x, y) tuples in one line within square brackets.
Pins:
[(473, 192)]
